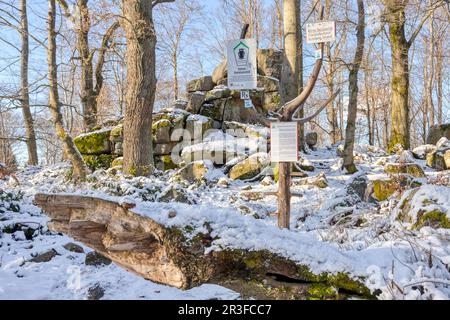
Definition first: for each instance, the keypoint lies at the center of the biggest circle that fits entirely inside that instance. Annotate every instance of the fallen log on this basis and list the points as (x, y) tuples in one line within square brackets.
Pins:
[(164, 255)]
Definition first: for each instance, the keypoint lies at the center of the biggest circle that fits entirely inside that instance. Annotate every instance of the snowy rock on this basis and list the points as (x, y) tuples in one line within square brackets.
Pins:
[(217, 93), (214, 109), (195, 171), (439, 159), (72, 247), (44, 257), (422, 151), (443, 143), (223, 183), (250, 167), (412, 169), (95, 293), (358, 186), (174, 194), (94, 143), (96, 259), (267, 181), (311, 139), (180, 104), (320, 181), (198, 125), (425, 206), (19, 236)]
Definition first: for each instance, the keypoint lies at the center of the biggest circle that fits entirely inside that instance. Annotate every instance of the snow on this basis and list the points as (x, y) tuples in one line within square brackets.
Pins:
[(331, 231), (198, 118)]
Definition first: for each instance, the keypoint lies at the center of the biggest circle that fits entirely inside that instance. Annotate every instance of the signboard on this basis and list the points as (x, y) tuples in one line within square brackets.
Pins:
[(248, 104), (245, 95), (242, 69), (284, 142), (319, 32)]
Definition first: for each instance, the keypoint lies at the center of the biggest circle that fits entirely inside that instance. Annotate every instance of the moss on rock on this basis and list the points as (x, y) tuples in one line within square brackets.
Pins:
[(250, 167), (412, 169), (94, 143), (383, 189), (164, 163), (95, 162), (435, 219)]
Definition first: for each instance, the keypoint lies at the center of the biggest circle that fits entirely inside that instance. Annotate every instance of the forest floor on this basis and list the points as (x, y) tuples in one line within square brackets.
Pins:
[(332, 230)]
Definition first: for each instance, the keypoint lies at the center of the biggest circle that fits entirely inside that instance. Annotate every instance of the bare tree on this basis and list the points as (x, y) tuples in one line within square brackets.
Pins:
[(353, 92), (91, 82), (174, 25), (79, 168), (25, 95)]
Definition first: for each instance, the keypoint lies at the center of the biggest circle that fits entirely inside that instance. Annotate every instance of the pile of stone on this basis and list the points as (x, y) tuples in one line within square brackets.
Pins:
[(212, 111), (210, 96)]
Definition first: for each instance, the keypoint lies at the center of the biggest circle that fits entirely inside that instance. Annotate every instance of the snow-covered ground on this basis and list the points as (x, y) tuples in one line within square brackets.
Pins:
[(331, 230)]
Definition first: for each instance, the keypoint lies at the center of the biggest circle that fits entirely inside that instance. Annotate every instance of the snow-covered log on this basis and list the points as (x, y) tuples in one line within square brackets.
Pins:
[(163, 254)]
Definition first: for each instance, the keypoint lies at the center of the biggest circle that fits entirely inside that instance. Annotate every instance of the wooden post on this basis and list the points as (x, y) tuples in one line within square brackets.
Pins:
[(284, 195)]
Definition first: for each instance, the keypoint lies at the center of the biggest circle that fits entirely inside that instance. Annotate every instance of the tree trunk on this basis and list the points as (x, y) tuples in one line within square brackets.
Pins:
[(79, 168), (353, 92), (164, 255), (141, 86), (400, 126), (25, 96), (289, 90), (439, 77), (175, 74), (429, 87), (300, 84), (88, 98)]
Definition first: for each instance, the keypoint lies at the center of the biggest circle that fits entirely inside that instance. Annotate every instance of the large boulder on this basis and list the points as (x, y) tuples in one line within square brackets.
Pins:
[(220, 72), (439, 159), (269, 62), (198, 125), (425, 206), (195, 102), (311, 139), (219, 92), (214, 109), (250, 167), (101, 161), (412, 169), (437, 132), (216, 148), (269, 84), (200, 84), (195, 171), (422, 151), (161, 131), (94, 143)]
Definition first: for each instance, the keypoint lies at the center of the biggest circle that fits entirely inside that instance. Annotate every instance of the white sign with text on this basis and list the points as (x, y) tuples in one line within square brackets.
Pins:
[(319, 32), (242, 69), (284, 141)]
